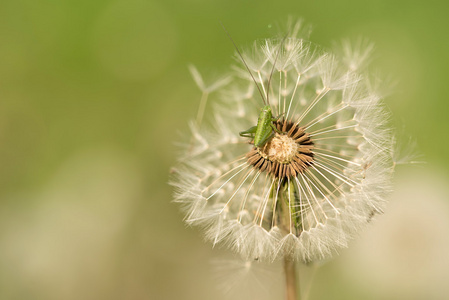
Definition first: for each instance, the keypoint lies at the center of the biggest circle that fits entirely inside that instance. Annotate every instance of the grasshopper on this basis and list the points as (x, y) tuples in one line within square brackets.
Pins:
[(263, 131)]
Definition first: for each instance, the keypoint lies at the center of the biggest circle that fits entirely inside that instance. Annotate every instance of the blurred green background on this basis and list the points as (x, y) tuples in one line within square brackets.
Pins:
[(93, 95)]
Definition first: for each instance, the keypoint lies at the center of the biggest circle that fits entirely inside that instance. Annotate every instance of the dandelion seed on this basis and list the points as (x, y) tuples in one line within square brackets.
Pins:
[(320, 175)]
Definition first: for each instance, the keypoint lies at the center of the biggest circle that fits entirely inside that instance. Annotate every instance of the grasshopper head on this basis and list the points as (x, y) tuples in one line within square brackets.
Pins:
[(266, 109)]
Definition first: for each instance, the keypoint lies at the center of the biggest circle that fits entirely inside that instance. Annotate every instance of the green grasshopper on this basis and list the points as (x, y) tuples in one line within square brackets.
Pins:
[(263, 131)]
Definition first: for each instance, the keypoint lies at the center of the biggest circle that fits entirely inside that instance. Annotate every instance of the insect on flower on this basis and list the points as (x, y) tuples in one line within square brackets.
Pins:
[(263, 131), (312, 176)]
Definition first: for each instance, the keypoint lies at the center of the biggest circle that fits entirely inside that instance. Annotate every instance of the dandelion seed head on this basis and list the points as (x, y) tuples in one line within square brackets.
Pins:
[(318, 178)]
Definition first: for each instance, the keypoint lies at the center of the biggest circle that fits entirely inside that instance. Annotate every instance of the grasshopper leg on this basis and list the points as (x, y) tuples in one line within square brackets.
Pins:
[(277, 118), (265, 138), (275, 128), (249, 132)]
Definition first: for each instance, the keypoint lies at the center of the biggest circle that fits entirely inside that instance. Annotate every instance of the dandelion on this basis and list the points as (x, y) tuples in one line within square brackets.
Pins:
[(322, 173)]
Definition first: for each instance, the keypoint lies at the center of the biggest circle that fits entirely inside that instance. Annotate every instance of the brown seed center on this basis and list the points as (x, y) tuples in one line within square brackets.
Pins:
[(281, 149), (285, 155)]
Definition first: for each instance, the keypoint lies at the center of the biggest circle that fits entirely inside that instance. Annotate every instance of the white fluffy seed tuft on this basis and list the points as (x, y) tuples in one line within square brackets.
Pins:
[(308, 215)]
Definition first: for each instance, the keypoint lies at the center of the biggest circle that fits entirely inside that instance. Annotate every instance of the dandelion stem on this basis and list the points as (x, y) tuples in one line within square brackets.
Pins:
[(292, 286), (286, 194)]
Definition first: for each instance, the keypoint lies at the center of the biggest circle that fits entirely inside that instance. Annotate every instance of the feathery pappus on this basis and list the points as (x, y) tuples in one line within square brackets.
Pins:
[(322, 168)]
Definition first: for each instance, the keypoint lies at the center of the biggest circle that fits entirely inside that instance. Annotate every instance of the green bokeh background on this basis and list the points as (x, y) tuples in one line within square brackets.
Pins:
[(93, 95)]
